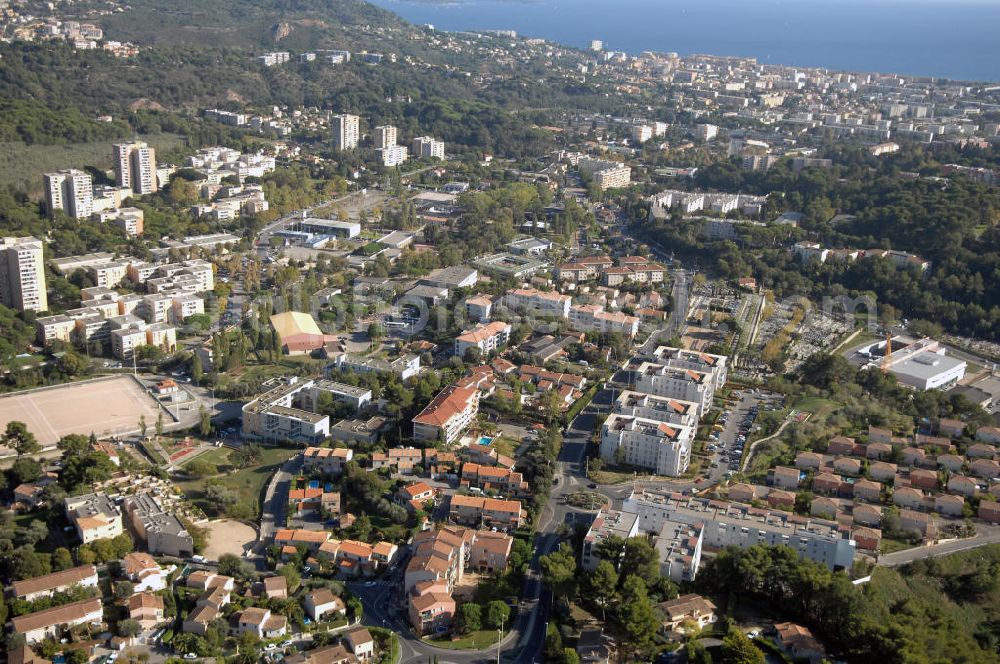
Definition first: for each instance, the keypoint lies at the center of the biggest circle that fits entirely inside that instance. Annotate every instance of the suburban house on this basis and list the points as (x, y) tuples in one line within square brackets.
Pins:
[(742, 493), (431, 607), (361, 643), (276, 587), (784, 477), (321, 602), (146, 609), (326, 460), (50, 584), (35, 627), (799, 643), (690, 609), (479, 511), (262, 623), (489, 552)]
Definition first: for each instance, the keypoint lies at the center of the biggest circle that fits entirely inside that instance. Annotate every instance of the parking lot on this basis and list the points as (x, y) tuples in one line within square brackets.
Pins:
[(737, 424)]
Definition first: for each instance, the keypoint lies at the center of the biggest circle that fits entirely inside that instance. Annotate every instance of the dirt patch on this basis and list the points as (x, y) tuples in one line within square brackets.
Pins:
[(105, 407), (227, 536), (465, 590)]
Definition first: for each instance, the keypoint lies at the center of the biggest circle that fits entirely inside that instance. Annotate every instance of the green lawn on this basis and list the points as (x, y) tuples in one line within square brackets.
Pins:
[(505, 446), (818, 406), (483, 638), (248, 482), (889, 545), (218, 456), (611, 476), (22, 165)]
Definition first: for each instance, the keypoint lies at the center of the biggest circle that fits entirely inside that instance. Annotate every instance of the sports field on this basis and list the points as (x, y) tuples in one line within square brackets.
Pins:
[(105, 407)]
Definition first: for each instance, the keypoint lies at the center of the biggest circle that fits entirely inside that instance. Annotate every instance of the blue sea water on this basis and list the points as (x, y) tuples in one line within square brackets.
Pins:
[(958, 39)]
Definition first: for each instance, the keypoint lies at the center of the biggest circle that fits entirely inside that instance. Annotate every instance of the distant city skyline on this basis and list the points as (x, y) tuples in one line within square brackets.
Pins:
[(932, 38)]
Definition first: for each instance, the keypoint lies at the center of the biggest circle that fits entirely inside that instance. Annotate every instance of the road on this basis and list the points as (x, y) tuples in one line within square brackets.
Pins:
[(275, 501), (987, 535)]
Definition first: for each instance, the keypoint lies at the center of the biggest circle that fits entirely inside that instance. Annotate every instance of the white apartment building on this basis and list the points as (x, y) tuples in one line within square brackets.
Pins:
[(22, 274), (607, 523), (273, 416), (393, 155), (692, 359), (405, 366), (274, 58), (706, 132), (186, 305), (70, 190), (660, 409), (641, 133), (542, 303), (593, 318), (676, 383), (736, 524), (128, 332), (55, 328), (110, 274), (447, 415), (135, 167), (810, 251), (606, 174), (95, 516), (192, 276), (487, 338), (661, 447), (346, 131), (427, 147), (385, 136)]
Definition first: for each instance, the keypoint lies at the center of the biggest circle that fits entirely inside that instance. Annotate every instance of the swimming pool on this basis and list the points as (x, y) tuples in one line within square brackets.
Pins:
[(485, 440)]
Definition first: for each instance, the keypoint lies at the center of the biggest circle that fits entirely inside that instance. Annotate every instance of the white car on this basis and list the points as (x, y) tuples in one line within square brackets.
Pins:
[(190, 655)]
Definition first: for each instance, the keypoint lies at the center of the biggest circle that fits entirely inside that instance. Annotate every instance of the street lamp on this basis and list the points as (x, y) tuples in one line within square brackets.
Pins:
[(499, 639)]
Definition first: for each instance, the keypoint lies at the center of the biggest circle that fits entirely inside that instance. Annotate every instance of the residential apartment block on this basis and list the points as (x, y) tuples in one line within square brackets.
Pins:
[(486, 338), (735, 524), (346, 131), (162, 531), (425, 147), (593, 318), (541, 303), (22, 274), (135, 167), (660, 409), (447, 415), (680, 358), (71, 191), (94, 515), (606, 174), (661, 447), (607, 523), (685, 384)]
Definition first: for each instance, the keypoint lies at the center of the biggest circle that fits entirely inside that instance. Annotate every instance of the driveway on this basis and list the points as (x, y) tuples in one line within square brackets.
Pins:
[(276, 500)]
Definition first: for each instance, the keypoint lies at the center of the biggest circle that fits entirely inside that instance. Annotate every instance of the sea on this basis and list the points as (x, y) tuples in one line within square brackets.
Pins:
[(956, 39)]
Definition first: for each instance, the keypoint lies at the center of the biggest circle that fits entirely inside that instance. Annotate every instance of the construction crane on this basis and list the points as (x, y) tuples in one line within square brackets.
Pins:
[(888, 352)]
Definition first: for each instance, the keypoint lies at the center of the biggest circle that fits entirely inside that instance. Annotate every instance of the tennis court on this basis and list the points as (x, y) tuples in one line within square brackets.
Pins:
[(106, 406)]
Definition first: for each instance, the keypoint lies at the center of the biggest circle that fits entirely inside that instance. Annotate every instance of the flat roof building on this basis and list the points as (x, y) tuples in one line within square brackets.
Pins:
[(734, 524), (607, 523)]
